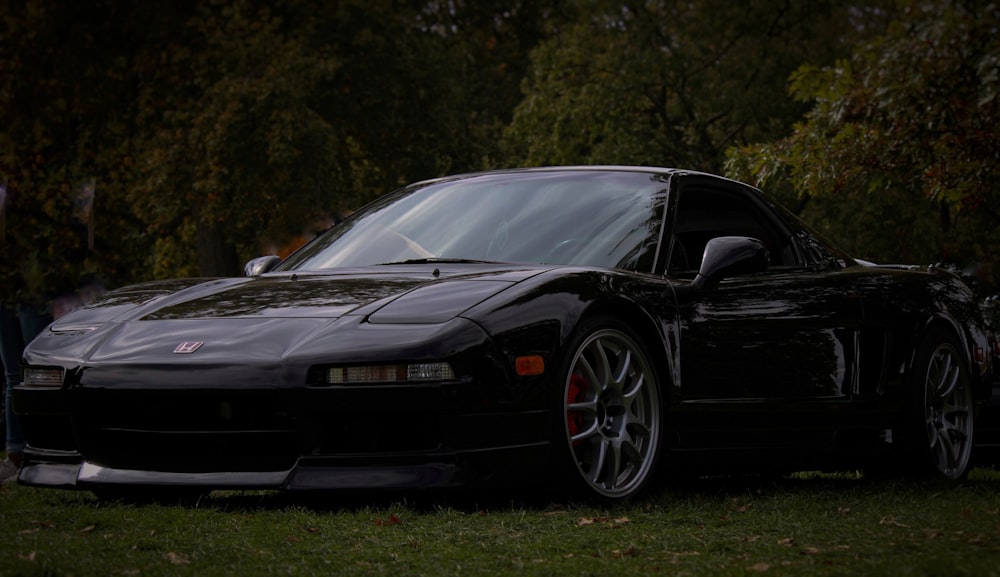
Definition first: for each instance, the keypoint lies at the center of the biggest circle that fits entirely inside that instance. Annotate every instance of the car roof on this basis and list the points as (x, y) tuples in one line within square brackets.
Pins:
[(577, 168)]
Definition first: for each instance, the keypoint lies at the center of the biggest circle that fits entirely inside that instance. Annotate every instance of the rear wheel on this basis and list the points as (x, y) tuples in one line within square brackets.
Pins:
[(942, 408), (611, 412)]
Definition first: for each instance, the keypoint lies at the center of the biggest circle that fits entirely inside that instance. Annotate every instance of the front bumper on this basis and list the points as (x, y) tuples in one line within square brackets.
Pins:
[(303, 439)]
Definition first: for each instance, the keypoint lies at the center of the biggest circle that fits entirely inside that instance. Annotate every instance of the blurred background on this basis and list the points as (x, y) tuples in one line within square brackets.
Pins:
[(164, 138)]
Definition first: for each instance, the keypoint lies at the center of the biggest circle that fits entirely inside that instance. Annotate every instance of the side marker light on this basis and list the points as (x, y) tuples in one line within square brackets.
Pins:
[(529, 366)]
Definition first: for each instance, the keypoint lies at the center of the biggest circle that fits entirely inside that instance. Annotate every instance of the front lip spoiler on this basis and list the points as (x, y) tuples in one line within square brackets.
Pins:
[(87, 475), (70, 476), (309, 474)]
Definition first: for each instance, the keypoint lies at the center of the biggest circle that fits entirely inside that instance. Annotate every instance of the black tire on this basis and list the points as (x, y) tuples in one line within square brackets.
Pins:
[(609, 412), (941, 413)]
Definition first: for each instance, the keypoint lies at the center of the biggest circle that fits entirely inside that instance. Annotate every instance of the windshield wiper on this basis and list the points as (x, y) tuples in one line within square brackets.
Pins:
[(439, 260)]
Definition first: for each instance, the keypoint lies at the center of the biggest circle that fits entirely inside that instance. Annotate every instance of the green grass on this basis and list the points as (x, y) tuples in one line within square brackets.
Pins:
[(801, 525)]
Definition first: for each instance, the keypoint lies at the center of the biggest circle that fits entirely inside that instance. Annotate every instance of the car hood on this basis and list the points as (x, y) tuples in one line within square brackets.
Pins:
[(268, 317), (426, 294)]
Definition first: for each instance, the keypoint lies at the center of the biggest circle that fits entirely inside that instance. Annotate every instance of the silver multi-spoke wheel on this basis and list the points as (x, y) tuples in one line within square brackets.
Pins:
[(948, 411), (612, 414)]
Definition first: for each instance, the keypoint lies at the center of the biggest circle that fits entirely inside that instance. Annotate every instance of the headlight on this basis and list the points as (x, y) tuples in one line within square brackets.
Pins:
[(43, 377), (417, 372)]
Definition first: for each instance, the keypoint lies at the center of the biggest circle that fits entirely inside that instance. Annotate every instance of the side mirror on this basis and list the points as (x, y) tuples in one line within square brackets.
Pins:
[(726, 256), (260, 265)]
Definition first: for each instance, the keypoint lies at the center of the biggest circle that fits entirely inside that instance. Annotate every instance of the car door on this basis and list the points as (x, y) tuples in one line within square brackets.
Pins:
[(762, 354)]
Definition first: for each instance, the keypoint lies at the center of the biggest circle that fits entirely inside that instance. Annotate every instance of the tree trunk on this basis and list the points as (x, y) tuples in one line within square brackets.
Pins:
[(216, 256)]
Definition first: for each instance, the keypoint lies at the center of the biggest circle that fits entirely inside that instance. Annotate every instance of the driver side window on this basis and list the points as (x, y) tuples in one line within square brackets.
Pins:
[(705, 212)]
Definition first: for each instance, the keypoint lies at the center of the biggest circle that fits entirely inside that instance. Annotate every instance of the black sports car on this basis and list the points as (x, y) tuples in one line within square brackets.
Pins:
[(587, 327)]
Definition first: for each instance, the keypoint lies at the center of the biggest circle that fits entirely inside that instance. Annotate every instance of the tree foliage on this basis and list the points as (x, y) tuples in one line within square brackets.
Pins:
[(898, 158), (237, 146), (64, 91), (213, 132), (672, 83), (218, 130)]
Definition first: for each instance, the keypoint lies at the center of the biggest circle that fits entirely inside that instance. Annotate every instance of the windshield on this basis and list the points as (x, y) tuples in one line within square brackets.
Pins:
[(586, 217)]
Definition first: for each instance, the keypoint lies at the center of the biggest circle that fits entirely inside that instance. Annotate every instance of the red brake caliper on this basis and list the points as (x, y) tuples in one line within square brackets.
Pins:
[(574, 394)]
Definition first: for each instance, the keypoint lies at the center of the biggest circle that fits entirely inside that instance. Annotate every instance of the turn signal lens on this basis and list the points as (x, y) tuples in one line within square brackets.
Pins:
[(418, 372), (529, 366), (43, 377)]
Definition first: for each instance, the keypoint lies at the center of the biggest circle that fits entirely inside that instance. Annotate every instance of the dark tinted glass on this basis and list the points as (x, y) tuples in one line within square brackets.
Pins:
[(599, 218)]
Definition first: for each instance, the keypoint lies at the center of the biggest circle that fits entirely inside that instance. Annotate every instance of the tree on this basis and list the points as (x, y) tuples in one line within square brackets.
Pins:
[(215, 130), (673, 83), (278, 114), (235, 146), (898, 158), (64, 97)]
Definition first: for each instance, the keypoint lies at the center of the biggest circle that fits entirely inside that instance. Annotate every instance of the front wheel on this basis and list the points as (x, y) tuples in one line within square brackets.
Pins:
[(943, 408), (611, 412)]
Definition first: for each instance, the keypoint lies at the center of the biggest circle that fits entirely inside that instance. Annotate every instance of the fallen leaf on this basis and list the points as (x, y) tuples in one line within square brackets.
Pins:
[(392, 520), (611, 521), (890, 520), (787, 541), (760, 567), (88, 528), (176, 558)]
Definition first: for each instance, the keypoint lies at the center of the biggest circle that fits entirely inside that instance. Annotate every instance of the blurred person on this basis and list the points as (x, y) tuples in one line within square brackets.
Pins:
[(3, 403), (48, 254), (19, 324)]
